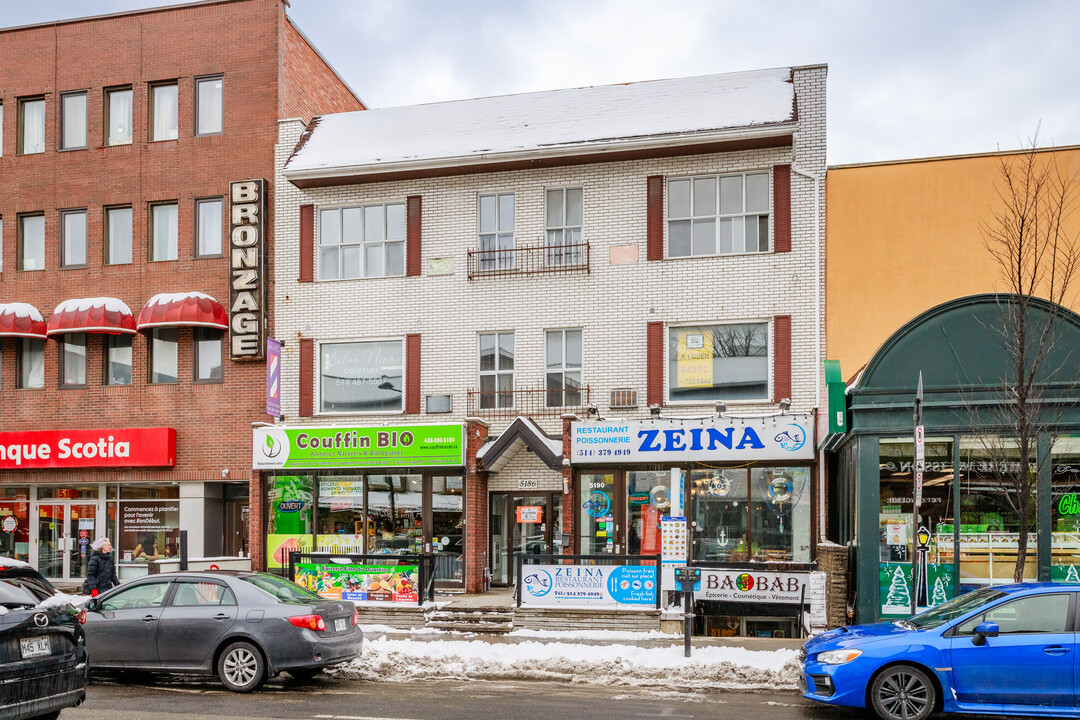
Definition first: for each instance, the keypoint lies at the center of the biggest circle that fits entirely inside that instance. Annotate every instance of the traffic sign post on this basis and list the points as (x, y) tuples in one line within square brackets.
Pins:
[(920, 458)]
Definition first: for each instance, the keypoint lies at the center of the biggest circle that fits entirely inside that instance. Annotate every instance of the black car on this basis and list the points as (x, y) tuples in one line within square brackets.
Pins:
[(42, 646), (242, 626)]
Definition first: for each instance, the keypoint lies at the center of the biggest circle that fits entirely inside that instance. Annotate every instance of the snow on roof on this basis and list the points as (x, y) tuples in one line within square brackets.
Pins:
[(19, 309), (579, 120), (168, 298), (83, 304)]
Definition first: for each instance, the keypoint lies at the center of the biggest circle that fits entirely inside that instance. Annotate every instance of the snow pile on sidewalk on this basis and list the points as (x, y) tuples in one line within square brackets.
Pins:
[(710, 668)]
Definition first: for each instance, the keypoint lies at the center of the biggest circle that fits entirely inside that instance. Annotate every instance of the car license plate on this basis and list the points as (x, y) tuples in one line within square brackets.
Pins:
[(339, 625), (34, 647)]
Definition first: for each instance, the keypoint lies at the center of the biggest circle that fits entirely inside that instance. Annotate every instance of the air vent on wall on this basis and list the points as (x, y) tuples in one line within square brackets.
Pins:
[(623, 398)]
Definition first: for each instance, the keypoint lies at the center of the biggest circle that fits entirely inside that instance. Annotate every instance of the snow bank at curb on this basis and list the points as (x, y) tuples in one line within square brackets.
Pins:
[(714, 668)]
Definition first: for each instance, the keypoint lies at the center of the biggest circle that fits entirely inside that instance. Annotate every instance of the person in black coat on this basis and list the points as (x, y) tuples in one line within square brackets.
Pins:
[(101, 571)]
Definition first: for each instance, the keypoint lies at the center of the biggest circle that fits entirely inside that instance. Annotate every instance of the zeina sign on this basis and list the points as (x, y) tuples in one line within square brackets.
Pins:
[(128, 447), (247, 263), (358, 447)]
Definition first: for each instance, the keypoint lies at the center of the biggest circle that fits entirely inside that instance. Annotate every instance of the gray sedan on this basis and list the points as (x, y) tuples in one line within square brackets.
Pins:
[(242, 626)]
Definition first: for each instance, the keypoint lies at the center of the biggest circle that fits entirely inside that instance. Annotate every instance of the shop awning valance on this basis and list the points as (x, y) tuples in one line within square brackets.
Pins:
[(176, 309), (92, 315), (21, 320)]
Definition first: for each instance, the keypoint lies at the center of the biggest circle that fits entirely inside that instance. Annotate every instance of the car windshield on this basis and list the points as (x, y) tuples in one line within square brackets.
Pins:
[(953, 609), (19, 592), (282, 589)]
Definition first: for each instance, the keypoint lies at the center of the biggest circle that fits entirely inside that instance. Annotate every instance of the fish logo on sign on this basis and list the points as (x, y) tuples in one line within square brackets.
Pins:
[(791, 438), (538, 584)]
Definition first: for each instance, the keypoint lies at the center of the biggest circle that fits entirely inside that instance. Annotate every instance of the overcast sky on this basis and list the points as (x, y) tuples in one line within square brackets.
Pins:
[(906, 79)]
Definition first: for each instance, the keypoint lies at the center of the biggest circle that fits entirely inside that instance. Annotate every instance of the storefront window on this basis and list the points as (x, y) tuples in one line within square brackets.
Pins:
[(718, 515), (597, 520), (15, 523), (340, 515), (780, 513), (897, 532), (989, 518), (289, 517), (149, 530), (1065, 510), (642, 515), (395, 510), (447, 521)]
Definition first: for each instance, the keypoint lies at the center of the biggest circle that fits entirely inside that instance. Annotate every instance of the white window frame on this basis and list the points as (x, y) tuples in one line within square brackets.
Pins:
[(361, 245), (199, 83), (65, 264), (556, 235), (199, 203), (109, 255), (400, 339), (497, 238), (497, 372), (109, 93), (562, 370), (65, 142), (769, 350), (718, 218)]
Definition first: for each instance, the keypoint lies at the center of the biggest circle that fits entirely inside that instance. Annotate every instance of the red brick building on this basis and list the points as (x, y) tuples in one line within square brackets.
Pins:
[(119, 138)]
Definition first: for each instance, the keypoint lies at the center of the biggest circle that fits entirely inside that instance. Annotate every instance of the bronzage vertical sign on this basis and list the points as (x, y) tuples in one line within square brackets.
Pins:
[(247, 269)]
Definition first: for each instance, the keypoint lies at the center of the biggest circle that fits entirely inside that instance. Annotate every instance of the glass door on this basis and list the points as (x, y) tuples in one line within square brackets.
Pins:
[(500, 539), (82, 520), (65, 531), (599, 513), (445, 529), (51, 539), (529, 515)]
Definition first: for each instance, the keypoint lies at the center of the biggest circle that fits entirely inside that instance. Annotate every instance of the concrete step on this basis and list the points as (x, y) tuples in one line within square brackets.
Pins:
[(471, 627)]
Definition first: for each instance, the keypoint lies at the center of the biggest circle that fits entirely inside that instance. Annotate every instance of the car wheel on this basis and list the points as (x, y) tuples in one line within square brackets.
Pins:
[(903, 692), (304, 673), (241, 667)]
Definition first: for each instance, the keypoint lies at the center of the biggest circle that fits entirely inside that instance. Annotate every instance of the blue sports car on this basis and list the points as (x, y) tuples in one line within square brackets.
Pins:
[(1006, 650)]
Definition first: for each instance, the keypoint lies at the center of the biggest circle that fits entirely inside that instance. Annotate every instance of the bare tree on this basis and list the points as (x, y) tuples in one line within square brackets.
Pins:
[(1037, 252)]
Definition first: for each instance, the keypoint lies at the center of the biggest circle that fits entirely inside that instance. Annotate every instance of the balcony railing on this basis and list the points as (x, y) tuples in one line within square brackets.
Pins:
[(539, 401), (529, 260)]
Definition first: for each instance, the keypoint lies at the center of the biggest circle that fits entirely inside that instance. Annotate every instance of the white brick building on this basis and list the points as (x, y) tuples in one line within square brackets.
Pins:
[(406, 194)]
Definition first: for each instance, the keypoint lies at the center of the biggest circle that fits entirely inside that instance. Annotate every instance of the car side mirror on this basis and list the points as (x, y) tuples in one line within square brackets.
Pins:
[(93, 605), (983, 631)]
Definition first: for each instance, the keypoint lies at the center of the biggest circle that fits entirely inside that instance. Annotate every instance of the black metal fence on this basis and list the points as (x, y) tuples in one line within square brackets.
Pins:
[(425, 564), (520, 559)]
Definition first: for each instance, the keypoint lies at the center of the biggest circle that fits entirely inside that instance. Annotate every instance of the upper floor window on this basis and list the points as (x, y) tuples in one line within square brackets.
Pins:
[(118, 116), (73, 360), (73, 238), (208, 228), (163, 111), (73, 121), (164, 355), (31, 242), (31, 126), (563, 213), (496, 370), (562, 351), (718, 362), (31, 363), (117, 235), (361, 376), (208, 355), (117, 359), (497, 231), (209, 105), (364, 241), (718, 215), (163, 232)]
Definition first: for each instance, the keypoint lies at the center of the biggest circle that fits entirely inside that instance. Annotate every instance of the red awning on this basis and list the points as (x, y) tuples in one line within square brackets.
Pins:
[(92, 315), (21, 320), (174, 309)]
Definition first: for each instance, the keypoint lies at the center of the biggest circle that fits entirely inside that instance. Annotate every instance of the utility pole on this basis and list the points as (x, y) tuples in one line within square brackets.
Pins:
[(920, 460)]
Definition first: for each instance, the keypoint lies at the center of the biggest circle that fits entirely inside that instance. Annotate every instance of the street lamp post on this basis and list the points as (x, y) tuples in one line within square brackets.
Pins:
[(920, 457)]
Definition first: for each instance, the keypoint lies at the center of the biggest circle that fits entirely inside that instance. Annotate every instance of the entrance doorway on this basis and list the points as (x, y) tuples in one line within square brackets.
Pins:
[(522, 524), (65, 530), (619, 511)]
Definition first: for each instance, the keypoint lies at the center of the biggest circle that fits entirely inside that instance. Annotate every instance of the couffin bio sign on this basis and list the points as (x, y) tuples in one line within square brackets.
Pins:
[(127, 447)]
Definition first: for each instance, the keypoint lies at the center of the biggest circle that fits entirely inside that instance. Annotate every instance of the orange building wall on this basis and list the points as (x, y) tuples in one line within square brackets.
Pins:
[(904, 237)]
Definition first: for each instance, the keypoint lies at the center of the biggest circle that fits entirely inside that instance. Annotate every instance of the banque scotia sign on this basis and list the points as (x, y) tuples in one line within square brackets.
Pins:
[(247, 268)]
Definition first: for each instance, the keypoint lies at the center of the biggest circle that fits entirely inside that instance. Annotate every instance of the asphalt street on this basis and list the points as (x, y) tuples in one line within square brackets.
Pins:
[(325, 698)]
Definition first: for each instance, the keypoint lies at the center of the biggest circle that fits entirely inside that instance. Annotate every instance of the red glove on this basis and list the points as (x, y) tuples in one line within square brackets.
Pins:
[(93, 593)]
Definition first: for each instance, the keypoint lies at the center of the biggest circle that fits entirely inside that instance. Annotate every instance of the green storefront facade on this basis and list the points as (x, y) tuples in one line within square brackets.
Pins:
[(970, 505)]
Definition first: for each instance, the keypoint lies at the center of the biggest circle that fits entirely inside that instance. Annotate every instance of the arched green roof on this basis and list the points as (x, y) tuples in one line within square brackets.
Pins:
[(959, 348)]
